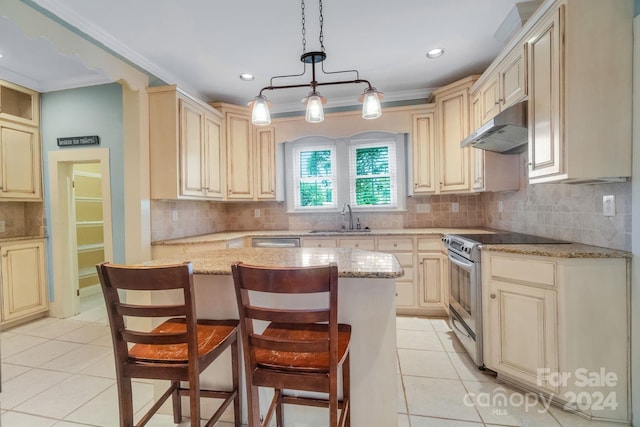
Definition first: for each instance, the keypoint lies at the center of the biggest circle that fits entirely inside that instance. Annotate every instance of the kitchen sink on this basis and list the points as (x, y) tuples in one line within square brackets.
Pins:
[(341, 231)]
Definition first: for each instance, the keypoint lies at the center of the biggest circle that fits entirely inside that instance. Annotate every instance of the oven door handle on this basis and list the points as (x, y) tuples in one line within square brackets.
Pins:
[(458, 260), (454, 323)]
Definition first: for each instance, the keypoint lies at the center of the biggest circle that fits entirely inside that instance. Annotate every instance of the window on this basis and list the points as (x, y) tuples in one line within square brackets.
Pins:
[(372, 174), (366, 170), (315, 177)]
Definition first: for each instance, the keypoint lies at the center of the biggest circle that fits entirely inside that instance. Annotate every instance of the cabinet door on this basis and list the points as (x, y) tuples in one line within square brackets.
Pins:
[(23, 280), (545, 98), (490, 99), (433, 281), (477, 155), (239, 157), (20, 175), (453, 127), (191, 149), (423, 146), (19, 104), (214, 163), (265, 143), (513, 87), (523, 332)]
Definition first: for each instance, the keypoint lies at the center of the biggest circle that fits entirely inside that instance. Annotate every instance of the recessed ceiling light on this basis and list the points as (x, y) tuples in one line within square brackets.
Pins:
[(1, 55), (247, 77), (434, 53)]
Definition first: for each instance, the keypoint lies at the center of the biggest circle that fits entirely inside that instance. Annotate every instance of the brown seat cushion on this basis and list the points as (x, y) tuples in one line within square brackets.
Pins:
[(296, 361), (210, 335)]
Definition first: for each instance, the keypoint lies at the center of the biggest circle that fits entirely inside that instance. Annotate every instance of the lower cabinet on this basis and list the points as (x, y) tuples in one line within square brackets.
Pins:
[(560, 327), (24, 288)]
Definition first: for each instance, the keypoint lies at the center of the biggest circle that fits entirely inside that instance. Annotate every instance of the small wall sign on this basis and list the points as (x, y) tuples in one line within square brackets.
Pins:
[(78, 140)]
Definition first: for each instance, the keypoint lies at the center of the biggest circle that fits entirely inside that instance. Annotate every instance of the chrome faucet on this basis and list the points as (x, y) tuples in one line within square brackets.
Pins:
[(344, 211)]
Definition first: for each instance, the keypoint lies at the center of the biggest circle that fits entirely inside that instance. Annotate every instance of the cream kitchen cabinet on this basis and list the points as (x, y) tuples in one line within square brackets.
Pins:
[(452, 126), (503, 86), (404, 250), (433, 276), (187, 154), (19, 104), (24, 286), (20, 163), (368, 244), (423, 145), (318, 242), (545, 328), (580, 91), (265, 151)]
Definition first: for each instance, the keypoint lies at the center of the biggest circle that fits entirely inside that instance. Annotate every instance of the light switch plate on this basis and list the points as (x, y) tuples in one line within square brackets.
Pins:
[(423, 208), (2, 226), (455, 207), (609, 205)]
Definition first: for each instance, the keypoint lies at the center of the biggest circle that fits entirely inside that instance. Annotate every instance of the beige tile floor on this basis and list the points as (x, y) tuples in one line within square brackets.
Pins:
[(60, 373)]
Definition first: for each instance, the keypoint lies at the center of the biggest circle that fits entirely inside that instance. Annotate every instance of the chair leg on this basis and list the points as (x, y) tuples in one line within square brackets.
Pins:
[(125, 399), (194, 400), (279, 415), (253, 403), (235, 351), (346, 389), (177, 403)]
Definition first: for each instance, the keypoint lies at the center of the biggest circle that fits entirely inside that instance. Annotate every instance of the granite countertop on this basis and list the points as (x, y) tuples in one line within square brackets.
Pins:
[(355, 263), (230, 235), (565, 250), (16, 239)]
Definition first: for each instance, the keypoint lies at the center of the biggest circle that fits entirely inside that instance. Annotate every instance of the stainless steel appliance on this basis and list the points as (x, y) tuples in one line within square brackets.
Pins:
[(465, 283), (506, 133), (275, 242)]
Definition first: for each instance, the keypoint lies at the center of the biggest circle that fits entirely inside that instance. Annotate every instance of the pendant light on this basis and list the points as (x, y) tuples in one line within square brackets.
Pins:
[(371, 107)]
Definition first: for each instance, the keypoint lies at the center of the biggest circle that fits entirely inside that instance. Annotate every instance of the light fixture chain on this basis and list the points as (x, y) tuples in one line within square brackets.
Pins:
[(321, 27), (304, 31)]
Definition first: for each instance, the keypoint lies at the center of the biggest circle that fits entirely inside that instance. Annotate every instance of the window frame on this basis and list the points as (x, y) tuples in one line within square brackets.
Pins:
[(342, 172)]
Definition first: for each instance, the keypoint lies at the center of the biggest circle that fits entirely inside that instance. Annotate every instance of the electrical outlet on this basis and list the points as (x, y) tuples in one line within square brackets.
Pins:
[(256, 213), (423, 208), (455, 207), (2, 226), (609, 205), (174, 215), (500, 206)]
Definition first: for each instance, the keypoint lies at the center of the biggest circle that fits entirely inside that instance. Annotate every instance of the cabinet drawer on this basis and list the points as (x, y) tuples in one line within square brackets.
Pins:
[(430, 244), (405, 295), (523, 270), (319, 243), (390, 245), (367, 244)]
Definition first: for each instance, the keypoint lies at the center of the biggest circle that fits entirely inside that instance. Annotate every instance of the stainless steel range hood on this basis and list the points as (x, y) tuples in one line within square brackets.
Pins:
[(506, 133)]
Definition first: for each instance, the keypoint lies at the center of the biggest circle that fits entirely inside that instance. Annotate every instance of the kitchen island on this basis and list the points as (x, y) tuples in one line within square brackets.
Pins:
[(366, 301)]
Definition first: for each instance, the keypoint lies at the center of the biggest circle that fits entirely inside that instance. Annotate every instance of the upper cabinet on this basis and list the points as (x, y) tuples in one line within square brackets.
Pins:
[(423, 151), (187, 149), (20, 149), (19, 104), (452, 126)]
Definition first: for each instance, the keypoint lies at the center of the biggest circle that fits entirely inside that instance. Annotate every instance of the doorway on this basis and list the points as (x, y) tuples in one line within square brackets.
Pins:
[(81, 229)]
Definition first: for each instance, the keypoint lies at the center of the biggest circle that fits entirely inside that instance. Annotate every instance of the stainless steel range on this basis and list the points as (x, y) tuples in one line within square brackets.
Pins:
[(465, 283)]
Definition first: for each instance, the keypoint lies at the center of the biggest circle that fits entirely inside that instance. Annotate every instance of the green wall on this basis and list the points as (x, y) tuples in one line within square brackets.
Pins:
[(95, 110)]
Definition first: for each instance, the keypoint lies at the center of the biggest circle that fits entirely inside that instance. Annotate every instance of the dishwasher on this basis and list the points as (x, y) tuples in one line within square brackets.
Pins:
[(275, 242)]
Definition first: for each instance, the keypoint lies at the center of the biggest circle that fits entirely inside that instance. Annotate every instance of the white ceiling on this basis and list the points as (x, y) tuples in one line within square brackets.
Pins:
[(203, 45)]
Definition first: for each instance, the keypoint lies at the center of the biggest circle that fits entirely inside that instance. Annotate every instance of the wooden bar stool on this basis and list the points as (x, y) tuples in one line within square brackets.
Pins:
[(300, 349), (179, 349)]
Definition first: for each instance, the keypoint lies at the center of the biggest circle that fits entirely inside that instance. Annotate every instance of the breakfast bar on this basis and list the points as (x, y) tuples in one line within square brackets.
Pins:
[(366, 301)]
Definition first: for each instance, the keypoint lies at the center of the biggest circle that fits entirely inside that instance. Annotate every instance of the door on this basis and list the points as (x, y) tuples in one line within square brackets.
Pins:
[(524, 338)]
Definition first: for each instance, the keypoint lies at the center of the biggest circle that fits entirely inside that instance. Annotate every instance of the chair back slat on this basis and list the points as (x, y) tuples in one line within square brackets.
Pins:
[(287, 316), (114, 278), (294, 280), (137, 337), (151, 310), (282, 344)]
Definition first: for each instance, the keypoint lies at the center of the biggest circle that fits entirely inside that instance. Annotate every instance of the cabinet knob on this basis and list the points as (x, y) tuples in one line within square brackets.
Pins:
[(493, 296)]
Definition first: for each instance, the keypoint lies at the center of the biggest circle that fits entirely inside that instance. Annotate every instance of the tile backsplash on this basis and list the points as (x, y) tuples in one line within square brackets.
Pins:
[(22, 219), (563, 211)]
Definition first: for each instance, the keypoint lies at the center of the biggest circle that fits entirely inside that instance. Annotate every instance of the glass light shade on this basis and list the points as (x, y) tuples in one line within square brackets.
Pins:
[(371, 108), (260, 115), (315, 112)]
